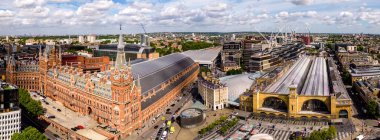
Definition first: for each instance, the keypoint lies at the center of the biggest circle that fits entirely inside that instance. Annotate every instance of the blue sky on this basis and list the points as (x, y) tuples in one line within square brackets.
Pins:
[(61, 17)]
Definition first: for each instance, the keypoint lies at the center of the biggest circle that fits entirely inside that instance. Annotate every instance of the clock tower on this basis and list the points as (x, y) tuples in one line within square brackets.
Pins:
[(126, 96)]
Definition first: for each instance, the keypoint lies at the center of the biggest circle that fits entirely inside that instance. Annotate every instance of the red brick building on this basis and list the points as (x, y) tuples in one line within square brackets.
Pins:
[(86, 63), (23, 69), (122, 96)]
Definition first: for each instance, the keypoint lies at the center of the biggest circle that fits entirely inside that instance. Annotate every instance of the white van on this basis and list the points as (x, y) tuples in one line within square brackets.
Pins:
[(360, 137)]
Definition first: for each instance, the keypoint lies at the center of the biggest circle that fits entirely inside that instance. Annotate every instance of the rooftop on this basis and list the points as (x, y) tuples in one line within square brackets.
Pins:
[(244, 81), (308, 75), (204, 56)]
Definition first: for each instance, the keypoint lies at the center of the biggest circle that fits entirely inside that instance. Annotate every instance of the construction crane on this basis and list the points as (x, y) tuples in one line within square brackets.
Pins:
[(142, 26), (144, 37), (308, 29)]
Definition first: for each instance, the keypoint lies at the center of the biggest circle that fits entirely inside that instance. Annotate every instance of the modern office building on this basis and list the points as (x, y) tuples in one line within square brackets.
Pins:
[(269, 57), (124, 97), (10, 113), (231, 56), (310, 87), (213, 93)]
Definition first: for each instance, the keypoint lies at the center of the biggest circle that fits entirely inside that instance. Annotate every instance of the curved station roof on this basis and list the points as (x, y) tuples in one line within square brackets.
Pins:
[(308, 75)]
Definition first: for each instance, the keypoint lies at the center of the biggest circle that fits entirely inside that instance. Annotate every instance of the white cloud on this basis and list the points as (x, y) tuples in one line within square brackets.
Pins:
[(137, 8), (28, 3), (6, 13), (60, 1), (34, 12), (370, 15), (182, 14), (302, 2), (294, 16)]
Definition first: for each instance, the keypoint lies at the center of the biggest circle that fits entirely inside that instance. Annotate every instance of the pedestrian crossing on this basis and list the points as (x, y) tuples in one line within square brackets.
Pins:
[(284, 134), (294, 122), (342, 135), (277, 134)]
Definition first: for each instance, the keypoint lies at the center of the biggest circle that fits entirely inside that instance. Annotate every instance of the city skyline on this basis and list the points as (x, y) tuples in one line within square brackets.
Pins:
[(59, 17)]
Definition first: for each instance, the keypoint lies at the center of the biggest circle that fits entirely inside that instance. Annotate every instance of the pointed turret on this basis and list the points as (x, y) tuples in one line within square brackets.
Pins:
[(120, 58), (138, 81), (39, 50)]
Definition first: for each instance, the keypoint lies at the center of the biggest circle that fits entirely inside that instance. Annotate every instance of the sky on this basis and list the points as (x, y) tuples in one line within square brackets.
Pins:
[(63, 17)]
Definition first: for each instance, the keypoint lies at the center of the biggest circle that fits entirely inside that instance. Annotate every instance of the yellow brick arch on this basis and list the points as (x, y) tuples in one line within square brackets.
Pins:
[(325, 99), (315, 99), (264, 96)]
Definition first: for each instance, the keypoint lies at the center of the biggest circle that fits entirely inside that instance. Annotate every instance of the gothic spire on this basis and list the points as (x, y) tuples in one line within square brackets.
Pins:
[(120, 58), (138, 80)]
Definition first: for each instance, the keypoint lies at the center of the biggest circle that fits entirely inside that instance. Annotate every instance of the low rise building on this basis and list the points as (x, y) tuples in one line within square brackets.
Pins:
[(364, 73), (132, 51), (213, 93), (369, 90), (10, 113)]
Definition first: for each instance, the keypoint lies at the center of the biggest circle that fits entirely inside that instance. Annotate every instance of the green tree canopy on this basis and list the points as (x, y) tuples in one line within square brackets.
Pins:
[(29, 133), (360, 48), (33, 107), (195, 45), (234, 72), (372, 108), (324, 134)]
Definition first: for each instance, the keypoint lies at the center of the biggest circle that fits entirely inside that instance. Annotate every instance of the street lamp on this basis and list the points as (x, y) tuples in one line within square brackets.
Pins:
[(364, 111)]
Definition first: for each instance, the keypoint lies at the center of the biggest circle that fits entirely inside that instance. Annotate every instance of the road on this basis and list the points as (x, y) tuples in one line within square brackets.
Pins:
[(148, 131)]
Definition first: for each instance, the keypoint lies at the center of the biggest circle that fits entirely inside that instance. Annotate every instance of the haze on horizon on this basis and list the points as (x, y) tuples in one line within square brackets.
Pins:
[(61, 17)]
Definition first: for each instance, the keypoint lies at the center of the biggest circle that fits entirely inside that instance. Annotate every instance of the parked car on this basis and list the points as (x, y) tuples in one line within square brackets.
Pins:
[(80, 127), (155, 127), (74, 129), (59, 110)]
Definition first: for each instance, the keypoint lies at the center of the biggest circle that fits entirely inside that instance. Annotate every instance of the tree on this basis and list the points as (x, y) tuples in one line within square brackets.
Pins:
[(372, 108), (234, 72), (105, 42), (33, 107), (346, 77), (195, 45), (29, 133), (360, 48), (89, 50), (323, 134)]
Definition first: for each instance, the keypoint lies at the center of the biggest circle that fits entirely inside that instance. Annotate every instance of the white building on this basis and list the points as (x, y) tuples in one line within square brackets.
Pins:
[(81, 39), (10, 123), (91, 38), (214, 94), (10, 113)]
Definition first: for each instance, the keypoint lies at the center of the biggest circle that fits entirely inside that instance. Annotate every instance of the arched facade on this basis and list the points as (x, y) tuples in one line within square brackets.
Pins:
[(275, 103), (343, 113), (299, 106), (315, 105)]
